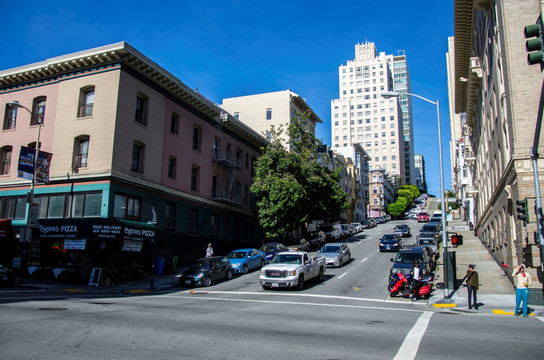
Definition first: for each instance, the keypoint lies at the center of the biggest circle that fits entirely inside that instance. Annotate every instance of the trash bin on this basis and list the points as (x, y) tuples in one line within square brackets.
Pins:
[(159, 265)]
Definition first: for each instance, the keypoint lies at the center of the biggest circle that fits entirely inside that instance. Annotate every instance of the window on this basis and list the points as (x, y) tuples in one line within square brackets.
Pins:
[(214, 225), (86, 205), (247, 161), (86, 101), (138, 153), (10, 118), (5, 160), (126, 207), (81, 151), (38, 111), (196, 138), (170, 216), (13, 208), (194, 178), (172, 167), (174, 124), (237, 115), (215, 180), (141, 109), (269, 114), (193, 221)]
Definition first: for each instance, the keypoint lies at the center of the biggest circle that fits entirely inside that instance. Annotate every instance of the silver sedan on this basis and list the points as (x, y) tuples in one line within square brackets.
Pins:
[(336, 254)]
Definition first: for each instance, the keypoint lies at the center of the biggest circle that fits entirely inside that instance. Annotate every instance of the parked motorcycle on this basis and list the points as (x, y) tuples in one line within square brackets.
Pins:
[(402, 285)]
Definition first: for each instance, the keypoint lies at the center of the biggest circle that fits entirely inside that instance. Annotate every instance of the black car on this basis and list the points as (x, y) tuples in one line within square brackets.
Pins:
[(205, 271), (405, 258), (390, 242), (316, 239), (403, 230), (7, 276)]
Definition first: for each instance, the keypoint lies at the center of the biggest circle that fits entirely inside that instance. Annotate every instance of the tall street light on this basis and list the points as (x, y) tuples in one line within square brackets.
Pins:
[(30, 198), (390, 94)]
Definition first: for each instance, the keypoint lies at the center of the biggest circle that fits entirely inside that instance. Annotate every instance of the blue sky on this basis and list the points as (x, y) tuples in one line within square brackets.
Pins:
[(233, 48)]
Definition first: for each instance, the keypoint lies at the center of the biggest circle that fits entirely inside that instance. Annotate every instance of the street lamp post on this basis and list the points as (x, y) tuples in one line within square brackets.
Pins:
[(30, 198), (390, 94)]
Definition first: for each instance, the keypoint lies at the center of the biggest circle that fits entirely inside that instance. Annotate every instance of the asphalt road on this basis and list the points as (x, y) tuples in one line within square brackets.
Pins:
[(347, 316)]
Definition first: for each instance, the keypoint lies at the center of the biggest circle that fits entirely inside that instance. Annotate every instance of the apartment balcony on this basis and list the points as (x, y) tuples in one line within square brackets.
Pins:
[(471, 190), (474, 89), (227, 197), (226, 158)]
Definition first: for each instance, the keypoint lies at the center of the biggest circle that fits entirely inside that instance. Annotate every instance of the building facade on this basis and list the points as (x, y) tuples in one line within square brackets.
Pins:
[(277, 109), (361, 115), (383, 188), (419, 174), (141, 164), (498, 94)]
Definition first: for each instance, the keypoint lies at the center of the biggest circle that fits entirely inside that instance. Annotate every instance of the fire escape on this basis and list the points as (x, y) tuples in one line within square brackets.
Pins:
[(231, 163)]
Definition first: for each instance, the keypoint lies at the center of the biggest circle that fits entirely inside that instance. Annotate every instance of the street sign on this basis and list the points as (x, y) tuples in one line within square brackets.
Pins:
[(458, 228)]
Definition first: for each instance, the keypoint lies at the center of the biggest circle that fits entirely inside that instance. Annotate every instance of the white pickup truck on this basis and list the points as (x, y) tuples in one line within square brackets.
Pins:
[(291, 269)]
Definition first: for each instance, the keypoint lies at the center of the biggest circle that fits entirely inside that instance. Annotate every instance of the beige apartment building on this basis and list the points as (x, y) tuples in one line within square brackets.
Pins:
[(261, 112), (498, 94), (361, 115)]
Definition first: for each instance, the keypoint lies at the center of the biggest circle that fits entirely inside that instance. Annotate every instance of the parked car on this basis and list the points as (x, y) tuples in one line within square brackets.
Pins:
[(206, 271), (292, 269), (243, 260), (423, 217), (367, 224), (402, 230), (404, 261), (299, 245), (430, 242), (332, 232), (316, 239), (346, 231), (271, 249), (7, 276), (373, 221), (335, 254), (390, 242), (387, 217), (430, 254), (357, 227), (379, 220)]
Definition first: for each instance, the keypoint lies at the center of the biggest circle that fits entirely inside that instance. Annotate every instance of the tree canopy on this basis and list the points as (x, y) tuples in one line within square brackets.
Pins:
[(295, 186)]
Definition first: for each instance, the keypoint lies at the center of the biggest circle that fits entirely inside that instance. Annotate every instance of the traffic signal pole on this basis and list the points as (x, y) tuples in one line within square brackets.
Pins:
[(534, 158), (535, 47)]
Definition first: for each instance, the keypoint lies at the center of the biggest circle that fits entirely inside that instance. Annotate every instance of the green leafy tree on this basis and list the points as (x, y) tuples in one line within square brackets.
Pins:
[(396, 209), (295, 186), (408, 195)]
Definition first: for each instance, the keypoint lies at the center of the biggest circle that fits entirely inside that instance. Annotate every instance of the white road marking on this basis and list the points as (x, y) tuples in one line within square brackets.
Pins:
[(408, 349), (344, 274), (364, 260), (276, 302)]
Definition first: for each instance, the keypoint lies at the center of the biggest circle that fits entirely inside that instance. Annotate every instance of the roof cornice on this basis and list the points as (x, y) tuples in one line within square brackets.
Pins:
[(122, 52)]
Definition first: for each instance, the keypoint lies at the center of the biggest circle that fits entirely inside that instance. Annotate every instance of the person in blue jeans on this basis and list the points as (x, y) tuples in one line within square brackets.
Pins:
[(522, 281)]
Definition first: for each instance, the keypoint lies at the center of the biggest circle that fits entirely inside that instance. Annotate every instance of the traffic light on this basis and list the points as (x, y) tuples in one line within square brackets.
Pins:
[(534, 43), (457, 240), (522, 210)]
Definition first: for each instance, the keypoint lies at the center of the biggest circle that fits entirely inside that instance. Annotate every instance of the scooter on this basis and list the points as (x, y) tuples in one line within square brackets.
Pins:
[(402, 285)]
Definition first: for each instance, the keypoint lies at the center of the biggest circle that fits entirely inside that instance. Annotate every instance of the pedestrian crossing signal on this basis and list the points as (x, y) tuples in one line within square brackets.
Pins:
[(457, 240)]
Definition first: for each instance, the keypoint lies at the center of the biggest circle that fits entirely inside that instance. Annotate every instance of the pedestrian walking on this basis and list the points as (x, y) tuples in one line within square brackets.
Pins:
[(473, 283), (522, 281), (209, 251)]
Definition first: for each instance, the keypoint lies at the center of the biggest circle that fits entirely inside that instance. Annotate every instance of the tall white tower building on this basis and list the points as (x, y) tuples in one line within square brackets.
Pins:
[(360, 115)]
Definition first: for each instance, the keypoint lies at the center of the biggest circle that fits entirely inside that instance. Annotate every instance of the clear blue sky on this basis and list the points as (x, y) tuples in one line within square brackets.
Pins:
[(233, 48)]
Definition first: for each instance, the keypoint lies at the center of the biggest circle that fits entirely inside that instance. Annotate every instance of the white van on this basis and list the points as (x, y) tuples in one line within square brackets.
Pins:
[(332, 232)]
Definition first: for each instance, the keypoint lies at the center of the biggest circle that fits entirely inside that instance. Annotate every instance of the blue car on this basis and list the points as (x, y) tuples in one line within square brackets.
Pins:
[(243, 260), (271, 249)]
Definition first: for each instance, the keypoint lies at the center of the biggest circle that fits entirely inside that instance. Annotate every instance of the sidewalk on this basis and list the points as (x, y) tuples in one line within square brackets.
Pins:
[(496, 291), (142, 285)]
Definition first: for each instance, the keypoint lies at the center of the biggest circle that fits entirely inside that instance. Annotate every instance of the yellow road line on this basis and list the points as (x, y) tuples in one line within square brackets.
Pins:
[(137, 291)]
